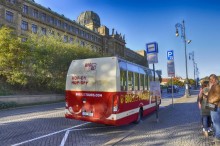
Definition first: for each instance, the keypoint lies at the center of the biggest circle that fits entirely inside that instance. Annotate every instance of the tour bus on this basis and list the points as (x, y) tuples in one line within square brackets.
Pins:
[(110, 91)]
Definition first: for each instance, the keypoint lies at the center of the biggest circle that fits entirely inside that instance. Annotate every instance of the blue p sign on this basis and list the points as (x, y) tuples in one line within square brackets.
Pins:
[(170, 55)]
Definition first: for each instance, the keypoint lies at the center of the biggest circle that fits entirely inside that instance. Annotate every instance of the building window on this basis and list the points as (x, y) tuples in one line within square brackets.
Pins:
[(87, 35), (43, 30), (24, 25), (25, 9), (55, 21), (81, 32), (82, 43), (77, 31), (51, 20), (51, 32), (9, 16), (35, 13), (65, 38), (71, 40), (62, 25), (11, 1), (84, 34), (65, 26), (34, 28), (58, 23), (71, 29), (43, 16)]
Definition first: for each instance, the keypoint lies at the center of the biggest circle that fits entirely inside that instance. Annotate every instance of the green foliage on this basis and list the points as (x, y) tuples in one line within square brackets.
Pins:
[(40, 63), (176, 81), (192, 82), (11, 55)]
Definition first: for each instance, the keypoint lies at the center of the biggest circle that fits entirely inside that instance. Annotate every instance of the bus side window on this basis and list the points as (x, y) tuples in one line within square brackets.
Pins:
[(136, 81), (141, 82), (130, 81), (123, 80), (146, 82)]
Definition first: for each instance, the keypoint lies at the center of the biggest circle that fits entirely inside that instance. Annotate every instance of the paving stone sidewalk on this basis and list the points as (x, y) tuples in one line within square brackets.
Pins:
[(178, 125)]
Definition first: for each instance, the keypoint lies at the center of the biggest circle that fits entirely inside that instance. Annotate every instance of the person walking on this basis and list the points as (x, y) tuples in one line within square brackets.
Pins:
[(205, 113), (214, 98)]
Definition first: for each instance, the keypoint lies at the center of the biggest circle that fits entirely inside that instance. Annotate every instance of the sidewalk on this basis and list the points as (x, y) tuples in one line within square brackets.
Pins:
[(178, 125)]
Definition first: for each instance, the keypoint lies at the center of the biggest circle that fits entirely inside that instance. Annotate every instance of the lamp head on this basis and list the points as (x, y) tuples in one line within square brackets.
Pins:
[(177, 33), (189, 41)]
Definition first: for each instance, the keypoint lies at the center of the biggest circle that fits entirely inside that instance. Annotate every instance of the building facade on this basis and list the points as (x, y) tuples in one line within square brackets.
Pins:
[(25, 16)]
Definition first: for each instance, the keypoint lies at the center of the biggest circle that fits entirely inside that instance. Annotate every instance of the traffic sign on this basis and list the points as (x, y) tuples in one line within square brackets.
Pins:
[(170, 68), (152, 47), (170, 55), (152, 58)]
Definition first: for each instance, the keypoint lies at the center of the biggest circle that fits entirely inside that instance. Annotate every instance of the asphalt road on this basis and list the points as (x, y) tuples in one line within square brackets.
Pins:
[(45, 125)]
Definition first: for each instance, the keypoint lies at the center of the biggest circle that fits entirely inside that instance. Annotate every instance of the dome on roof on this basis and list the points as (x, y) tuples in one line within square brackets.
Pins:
[(89, 17)]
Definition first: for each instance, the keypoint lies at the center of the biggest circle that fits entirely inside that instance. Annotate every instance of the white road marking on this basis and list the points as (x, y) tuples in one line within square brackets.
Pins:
[(17, 144), (67, 133), (65, 138)]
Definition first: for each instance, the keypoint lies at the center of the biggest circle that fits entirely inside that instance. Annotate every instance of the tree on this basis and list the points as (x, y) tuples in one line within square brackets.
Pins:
[(39, 63), (176, 81), (12, 53)]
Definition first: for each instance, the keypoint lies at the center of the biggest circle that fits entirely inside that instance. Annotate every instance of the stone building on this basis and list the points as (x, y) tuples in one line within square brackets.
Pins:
[(26, 16)]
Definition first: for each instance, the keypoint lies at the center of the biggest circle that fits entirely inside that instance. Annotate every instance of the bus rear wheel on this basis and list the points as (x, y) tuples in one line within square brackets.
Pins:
[(140, 114)]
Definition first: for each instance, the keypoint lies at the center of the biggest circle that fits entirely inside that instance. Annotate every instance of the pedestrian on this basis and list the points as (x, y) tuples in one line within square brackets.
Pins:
[(205, 113), (214, 98)]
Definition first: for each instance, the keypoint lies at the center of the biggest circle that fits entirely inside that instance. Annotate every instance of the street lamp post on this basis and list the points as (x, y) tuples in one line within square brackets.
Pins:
[(183, 36), (197, 74), (191, 56)]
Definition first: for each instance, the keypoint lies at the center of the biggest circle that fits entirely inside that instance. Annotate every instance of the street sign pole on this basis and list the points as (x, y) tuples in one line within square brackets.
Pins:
[(157, 115), (172, 89), (152, 50), (171, 68)]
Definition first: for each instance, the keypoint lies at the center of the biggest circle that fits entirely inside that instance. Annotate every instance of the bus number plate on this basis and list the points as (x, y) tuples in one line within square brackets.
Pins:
[(87, 114)]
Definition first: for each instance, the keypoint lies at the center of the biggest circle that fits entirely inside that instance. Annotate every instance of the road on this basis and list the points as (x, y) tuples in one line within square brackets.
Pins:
[(45, 125)]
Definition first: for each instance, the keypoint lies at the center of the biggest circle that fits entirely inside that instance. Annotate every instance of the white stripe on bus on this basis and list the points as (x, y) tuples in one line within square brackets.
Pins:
[(129, 112)]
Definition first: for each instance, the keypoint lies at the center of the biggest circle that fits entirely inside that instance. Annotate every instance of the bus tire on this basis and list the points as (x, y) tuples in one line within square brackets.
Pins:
[(140, 114)]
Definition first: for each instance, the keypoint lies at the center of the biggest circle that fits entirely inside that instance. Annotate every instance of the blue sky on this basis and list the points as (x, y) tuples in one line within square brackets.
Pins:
[(144, 21)]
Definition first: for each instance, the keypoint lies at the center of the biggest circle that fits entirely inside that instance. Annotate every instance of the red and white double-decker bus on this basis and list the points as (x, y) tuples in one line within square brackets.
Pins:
[(110, 91)]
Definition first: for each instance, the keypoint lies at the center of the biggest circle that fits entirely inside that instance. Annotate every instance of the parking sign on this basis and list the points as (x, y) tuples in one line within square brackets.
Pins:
[(170, 55)]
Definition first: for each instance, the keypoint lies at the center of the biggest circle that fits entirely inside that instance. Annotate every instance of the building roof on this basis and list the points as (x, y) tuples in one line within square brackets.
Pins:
[(89, 17)]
